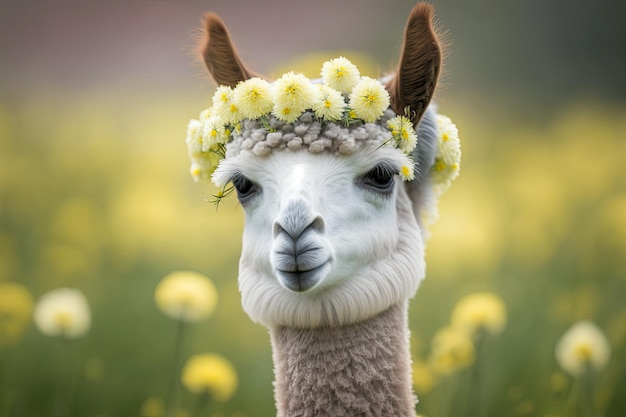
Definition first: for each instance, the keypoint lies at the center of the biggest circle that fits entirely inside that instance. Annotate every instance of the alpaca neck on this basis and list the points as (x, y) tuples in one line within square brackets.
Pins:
[(358, 370)]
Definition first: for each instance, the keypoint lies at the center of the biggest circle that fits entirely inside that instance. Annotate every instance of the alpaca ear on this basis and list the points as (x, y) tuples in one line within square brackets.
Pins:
[(219, 55), (420, 62)]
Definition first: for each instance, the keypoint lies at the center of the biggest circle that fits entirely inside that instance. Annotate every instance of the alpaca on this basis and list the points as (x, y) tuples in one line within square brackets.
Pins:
[(333, 244)]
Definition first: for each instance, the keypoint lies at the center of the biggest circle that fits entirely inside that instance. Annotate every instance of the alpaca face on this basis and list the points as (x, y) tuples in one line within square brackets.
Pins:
[(328, 239)]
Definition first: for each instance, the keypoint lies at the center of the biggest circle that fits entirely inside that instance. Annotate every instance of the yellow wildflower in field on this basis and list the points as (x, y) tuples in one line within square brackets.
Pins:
[(583, 345), (451, 350), (152, 407), (479, 311), (423, 377), (558, 382), (16, 308), (63, 312), (186, 295), (212, 373)]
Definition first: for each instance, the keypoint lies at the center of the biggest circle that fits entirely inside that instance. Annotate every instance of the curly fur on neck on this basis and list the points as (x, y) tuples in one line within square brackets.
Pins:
[(357, 370)]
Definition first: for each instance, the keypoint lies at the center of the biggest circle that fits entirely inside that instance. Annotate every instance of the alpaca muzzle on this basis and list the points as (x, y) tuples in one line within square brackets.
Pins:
[(299, 255)]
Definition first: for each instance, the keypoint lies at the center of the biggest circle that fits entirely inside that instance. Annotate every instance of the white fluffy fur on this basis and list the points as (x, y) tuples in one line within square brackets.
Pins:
[(374, 243)]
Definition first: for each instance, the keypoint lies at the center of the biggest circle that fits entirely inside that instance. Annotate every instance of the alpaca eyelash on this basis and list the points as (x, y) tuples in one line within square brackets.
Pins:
[(386, 168), (380, 180)]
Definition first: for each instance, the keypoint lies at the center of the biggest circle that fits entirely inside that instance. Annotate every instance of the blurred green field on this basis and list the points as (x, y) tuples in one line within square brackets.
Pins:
[(95, 194)]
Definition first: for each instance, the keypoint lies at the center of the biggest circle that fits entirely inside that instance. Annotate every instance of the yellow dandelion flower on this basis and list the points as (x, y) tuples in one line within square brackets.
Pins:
[(407, 172), (285, 113), (194, 136), (152, 407), (403, 133), (440, 165), (423, 377), (448, 143), (442, 175), (583, 345), (294, 92), (558, 382), (212, 373), (448, 158), (479, 311), (206, 113), (253, 98), (203, 164), (224, 106), (329, 104), (340, 74), (223, 94), (451, 351), (369, 99), (186, 295), (213, 134), (16, 308), (63, 312)]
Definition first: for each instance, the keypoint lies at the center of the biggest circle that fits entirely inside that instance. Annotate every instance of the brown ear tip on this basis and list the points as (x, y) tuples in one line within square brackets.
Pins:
[(422, 11), (213, 23)]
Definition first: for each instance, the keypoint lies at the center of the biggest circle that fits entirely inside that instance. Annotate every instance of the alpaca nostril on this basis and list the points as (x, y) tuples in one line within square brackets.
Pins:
[(277, 229), (318, 224)]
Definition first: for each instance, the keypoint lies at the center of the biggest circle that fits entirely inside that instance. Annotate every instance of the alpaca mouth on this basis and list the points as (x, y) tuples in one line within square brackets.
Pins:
[(301, 281)]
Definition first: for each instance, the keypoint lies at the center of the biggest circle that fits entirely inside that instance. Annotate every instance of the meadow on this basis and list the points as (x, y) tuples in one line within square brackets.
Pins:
[(95, 195)]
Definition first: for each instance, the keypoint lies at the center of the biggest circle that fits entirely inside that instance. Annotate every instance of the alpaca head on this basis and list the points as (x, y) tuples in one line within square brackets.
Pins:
[(332, 234)]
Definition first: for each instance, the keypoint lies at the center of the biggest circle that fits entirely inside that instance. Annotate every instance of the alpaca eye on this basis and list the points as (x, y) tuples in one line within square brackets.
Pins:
[(380, 179), (246, 189)]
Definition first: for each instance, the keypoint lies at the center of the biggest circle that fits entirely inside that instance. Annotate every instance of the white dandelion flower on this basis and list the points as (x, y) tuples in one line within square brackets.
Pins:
[(63, 312), (583, 345)]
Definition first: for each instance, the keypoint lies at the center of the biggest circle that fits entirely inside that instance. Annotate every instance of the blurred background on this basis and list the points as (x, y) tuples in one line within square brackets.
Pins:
[(95, 192)]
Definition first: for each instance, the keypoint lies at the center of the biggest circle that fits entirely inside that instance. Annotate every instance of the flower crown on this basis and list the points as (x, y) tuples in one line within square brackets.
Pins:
[(340, 114)]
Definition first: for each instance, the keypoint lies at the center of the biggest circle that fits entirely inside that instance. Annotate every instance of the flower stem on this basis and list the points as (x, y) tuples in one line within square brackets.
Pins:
[(173, 384), (474, 405), (201, 403), (66, 394), (587, 393)]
